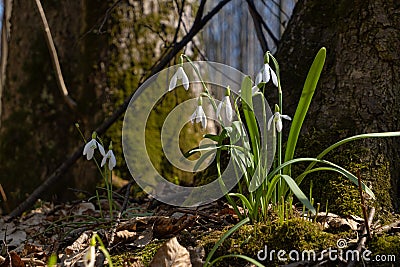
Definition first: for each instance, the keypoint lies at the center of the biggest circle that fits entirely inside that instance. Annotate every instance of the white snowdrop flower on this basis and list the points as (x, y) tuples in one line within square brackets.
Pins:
[(90, 257), (277, 118), (181, 75), (266, 74), (224, 109), (199, 115), (112, 162), (90, 146)]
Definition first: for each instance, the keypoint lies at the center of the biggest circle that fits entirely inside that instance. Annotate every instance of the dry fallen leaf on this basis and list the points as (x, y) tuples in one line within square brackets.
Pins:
[(13, 260), (171, 254)]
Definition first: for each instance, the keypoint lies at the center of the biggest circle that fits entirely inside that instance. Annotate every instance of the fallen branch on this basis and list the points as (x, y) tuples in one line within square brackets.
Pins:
[(202, 21), (388, 228)]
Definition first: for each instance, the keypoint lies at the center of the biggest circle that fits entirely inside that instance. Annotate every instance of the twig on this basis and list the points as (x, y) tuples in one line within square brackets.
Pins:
[(364, 210), (107, 15), (257, 25), (119, 112), (258, 22), (387, 228), (363, 239), (117, 222), (54, 58)]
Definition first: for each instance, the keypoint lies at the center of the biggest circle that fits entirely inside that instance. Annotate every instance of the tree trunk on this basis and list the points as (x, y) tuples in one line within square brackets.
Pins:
[(358, 92), (37, 126), (105, 48)]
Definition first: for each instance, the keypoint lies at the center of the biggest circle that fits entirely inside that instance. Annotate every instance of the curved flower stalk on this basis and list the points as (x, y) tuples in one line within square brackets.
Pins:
[(224, 110), (199, 115)]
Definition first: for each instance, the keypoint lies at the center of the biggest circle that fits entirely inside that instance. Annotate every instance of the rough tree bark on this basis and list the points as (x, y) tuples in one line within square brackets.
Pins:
[(37, 127), (358, 91)]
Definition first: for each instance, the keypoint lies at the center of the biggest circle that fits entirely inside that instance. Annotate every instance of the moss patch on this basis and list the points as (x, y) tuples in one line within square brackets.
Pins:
[(385, 247), (294, 234), (342, 195), (143, 255)]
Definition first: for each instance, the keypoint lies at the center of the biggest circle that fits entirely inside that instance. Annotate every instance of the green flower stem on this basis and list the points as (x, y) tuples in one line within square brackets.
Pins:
[(212, 101)]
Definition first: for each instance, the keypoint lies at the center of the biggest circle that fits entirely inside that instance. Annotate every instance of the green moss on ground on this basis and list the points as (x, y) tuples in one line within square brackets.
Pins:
[(385, 247), (139, 255), (294, 234)]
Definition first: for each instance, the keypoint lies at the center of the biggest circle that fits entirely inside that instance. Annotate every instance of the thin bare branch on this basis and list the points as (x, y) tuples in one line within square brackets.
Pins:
[(53, 53), (258, 26), (257, 19)]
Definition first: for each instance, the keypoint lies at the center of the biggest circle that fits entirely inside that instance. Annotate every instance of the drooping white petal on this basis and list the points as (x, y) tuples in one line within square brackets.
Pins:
[(185, 80), (225, 111), (101, 149), (112, 162), (259, 78), (179, 73), (87, 147), (172, 83), (229, 110), (194, 115), (219, 108), (274, 77), (199, 116), (103, 161), (90, 257), (279, 125), (270, 121), (90, 153), (202, 117), (266, 73), (286, 117)]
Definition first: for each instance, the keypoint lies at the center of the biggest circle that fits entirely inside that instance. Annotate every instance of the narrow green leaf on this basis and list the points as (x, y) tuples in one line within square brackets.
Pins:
[(337, 168), (297, 192), (245, 201), (213, 137), (304, 103), (202, 158), (248, 110), (350, 139)]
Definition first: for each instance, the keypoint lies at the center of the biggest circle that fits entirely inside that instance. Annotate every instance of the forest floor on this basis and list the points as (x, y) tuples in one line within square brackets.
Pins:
[(148, 233)]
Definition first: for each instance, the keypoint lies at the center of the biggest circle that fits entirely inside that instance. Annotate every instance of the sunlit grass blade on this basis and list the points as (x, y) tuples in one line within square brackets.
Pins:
[(304, 103), (244, 200), (222, 239), (298, 193), (352, 138), (336, 168)]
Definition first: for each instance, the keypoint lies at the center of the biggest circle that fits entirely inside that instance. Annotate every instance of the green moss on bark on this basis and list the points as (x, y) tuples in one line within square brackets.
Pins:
[(342, 195)]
